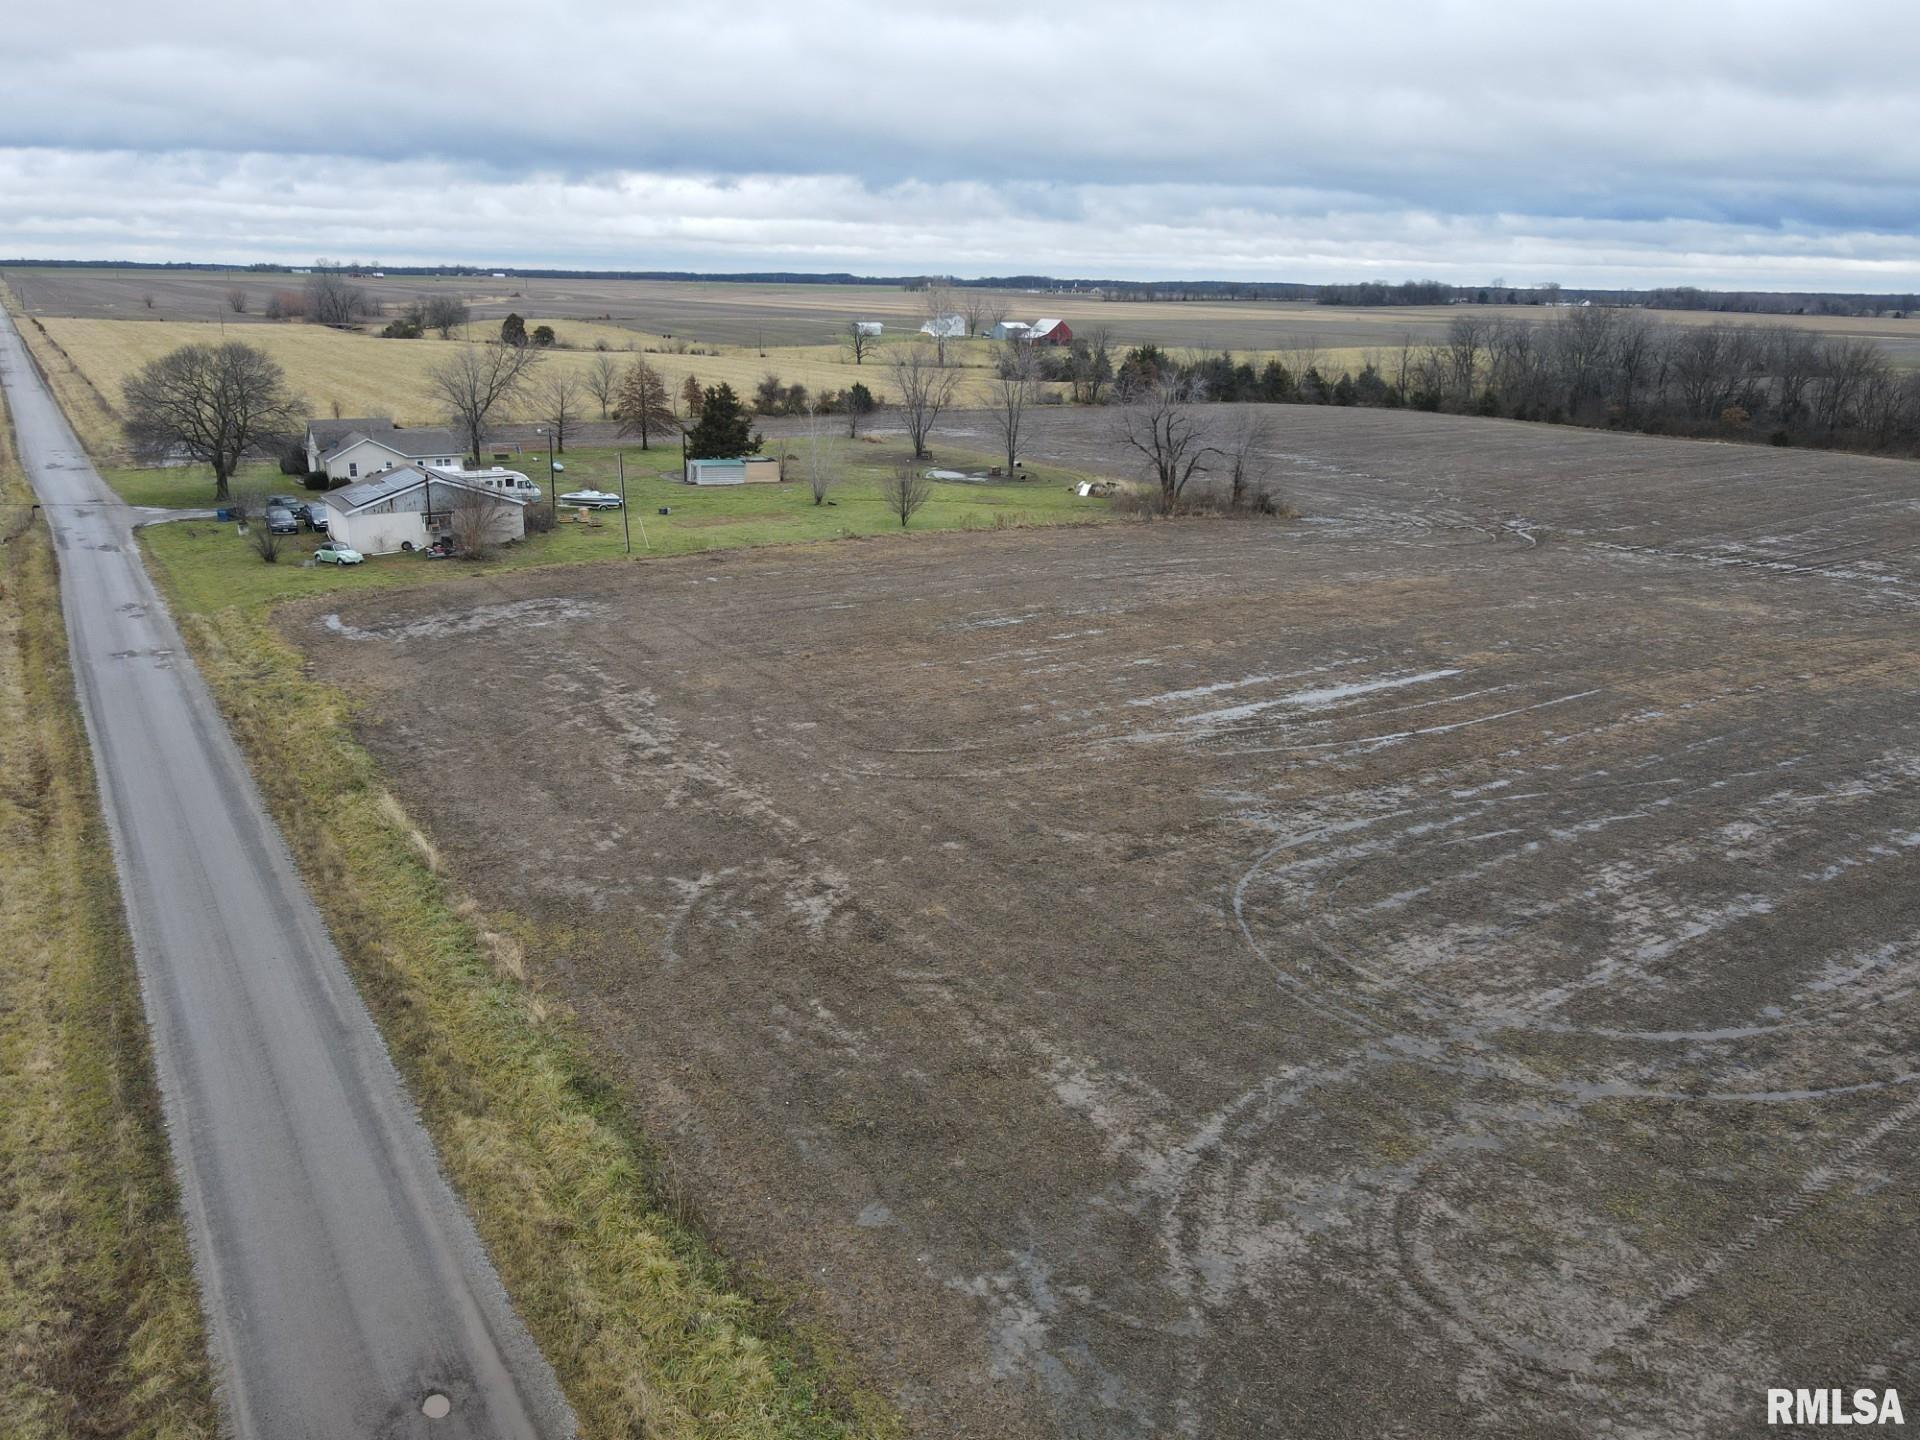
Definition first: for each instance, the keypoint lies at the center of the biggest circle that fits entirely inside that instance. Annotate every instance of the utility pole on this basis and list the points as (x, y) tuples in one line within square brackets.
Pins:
[(553, 484), (626, 526)]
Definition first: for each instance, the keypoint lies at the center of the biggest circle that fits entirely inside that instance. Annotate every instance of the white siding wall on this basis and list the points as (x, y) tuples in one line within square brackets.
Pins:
[(714, 472), (378, 532), (369, 456)]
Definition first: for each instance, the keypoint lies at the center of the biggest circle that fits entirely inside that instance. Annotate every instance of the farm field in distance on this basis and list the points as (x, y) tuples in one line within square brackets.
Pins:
[(1441, 966), (743, 314)]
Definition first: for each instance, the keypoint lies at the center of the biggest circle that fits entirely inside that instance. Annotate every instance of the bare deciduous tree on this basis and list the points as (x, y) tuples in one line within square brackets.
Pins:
[(645, 406), (982, 310), (478, 381), (332, 301), (1161, 423), (560, 401), (603, 381), (859, 340), (904, 489), (817, 454), (924, 388), (445, 313), (1011, 393), (237, 300), (218, 404), (1245, 454), (937, 309), (481, 523)]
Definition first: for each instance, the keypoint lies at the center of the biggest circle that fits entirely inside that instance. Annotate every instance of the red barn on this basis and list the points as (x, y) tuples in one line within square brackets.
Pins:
[(1050, 332)]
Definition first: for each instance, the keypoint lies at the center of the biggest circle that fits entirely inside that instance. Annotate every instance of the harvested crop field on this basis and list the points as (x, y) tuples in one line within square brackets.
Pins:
[(772, 314), (1354, 976)]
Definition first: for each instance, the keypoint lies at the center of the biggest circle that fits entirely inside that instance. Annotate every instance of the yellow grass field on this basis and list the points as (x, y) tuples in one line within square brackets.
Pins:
[(361, 374), (354, 373)]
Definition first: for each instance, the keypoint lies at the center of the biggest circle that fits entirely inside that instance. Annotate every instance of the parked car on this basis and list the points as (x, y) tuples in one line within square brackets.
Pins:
[(286, 502), (282, 521), (333, 552), (592, 499), (316, 514)]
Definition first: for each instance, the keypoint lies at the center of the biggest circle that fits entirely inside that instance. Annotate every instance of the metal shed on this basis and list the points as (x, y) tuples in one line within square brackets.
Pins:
[(737, 470)]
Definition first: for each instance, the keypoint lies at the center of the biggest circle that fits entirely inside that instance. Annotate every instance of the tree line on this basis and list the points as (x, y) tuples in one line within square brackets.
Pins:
[(1620, 369)]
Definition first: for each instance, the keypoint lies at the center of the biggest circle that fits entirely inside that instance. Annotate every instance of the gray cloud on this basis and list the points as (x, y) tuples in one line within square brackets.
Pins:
[(1759, 143)]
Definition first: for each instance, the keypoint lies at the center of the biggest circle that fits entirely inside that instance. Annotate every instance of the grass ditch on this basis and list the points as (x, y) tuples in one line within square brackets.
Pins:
[(650, 1331), (98, 1312), (89, 411)]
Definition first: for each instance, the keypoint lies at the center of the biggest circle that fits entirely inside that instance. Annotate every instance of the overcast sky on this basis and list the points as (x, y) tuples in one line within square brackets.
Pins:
[(1758, 144)]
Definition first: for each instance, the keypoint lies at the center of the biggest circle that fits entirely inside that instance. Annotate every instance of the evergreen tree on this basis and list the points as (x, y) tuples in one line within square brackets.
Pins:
[(860, 404), (690, 396), (513, 331), (1370, 388), (724, 429), (1276, 384)]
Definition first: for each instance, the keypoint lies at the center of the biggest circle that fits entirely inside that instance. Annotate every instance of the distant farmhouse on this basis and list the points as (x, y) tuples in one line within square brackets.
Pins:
[(1040, 332), (353, 449)]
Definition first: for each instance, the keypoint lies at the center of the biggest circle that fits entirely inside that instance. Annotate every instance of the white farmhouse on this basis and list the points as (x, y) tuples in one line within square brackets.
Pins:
[(410, 506), (354, 449)]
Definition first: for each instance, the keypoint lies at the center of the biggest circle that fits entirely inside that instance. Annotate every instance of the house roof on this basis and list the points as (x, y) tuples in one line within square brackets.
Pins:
[(1041, 327), (402, 478), (329, 433), (348, 441), (333, 435), (415, 443)]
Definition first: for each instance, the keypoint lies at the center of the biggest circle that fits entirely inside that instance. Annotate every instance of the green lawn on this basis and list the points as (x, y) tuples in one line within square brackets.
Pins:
[(190, 487), (207, 566)]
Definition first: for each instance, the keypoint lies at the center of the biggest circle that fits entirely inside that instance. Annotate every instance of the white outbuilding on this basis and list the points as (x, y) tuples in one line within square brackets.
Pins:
[(868, 327), (946, 327), (411, 506), (1011, 330)]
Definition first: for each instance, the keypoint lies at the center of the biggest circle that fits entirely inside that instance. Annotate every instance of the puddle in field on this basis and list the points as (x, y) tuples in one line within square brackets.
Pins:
[(520, 615)]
